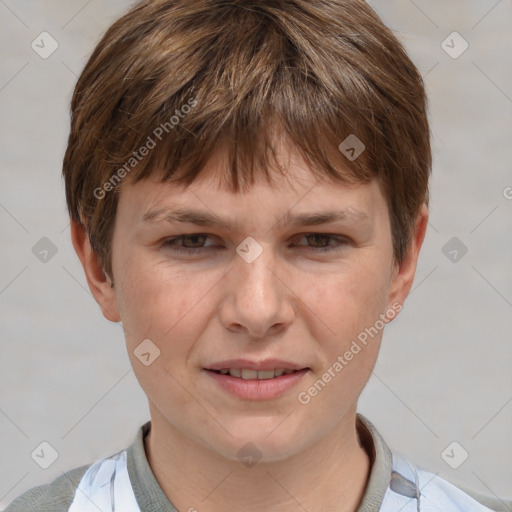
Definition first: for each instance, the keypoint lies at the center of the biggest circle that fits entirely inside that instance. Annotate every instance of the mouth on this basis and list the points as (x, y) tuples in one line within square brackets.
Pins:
[(250, 374), (256, 384)]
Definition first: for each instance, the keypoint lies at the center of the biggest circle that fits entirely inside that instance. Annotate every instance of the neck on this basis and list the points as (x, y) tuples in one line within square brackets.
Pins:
[(330, 475)]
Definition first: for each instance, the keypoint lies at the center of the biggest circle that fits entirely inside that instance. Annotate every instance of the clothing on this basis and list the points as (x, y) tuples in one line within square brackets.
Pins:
[(124, 482)]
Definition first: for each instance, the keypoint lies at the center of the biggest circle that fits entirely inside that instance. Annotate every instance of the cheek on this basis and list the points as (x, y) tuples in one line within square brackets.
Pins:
[(161, 303), (339, 305), (343, 316), (171, 309)]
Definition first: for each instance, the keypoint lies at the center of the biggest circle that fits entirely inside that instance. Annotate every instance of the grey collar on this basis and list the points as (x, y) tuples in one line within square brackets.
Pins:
[(381, 462)]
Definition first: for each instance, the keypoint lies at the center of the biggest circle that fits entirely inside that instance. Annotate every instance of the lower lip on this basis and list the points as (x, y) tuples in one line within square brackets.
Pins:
[(256, 389)]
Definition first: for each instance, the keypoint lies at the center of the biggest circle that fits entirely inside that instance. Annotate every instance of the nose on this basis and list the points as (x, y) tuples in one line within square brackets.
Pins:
[(257, 302)]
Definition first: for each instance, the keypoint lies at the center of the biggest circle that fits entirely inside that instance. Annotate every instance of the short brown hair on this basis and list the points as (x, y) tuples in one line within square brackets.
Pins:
[(317, 70)]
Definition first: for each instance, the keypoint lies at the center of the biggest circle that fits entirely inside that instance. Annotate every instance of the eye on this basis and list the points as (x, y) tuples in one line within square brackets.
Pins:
[(321, 243), (187, 244), (194, 244)]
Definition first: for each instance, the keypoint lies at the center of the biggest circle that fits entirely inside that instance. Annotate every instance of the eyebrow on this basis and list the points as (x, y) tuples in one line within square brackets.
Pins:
[(203, 218)]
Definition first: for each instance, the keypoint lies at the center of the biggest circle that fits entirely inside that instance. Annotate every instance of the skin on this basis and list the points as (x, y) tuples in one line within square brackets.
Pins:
[(291, 303)]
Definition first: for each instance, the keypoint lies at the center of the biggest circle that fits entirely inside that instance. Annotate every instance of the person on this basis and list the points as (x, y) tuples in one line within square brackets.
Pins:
[(248, 188)]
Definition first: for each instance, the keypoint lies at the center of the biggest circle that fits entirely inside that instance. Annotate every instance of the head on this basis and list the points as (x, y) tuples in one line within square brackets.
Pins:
[(253, 113)]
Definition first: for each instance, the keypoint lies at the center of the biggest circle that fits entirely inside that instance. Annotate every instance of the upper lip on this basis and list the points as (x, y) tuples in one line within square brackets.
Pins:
[(265, 365)]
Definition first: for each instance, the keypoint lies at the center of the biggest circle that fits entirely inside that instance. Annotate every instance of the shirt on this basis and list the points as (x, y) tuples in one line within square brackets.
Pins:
[(124, 482)]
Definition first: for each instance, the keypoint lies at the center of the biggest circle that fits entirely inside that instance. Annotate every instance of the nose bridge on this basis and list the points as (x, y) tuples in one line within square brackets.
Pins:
[(257, 300), (253, 277)]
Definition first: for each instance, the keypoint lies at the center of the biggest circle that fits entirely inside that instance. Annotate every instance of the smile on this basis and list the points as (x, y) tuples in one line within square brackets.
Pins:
[(250, 384)]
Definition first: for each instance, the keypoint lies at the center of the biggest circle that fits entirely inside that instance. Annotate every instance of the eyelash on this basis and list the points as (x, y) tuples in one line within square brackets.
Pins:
[(171, 243)]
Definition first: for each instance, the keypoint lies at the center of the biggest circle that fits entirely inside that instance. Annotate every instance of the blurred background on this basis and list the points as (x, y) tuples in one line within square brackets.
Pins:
[(441, 392)]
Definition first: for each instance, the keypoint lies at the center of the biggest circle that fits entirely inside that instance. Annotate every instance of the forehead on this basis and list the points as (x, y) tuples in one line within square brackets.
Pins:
[(294, 197)]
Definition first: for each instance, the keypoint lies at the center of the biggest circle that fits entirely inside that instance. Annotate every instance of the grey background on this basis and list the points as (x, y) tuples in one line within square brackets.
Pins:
[(444, 369)]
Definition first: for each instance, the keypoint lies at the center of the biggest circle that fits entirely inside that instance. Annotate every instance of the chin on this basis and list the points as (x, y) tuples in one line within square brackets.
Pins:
[(267, 441)]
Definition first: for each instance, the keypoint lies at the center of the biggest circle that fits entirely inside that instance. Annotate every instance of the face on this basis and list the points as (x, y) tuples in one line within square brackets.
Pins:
[(271, 284)]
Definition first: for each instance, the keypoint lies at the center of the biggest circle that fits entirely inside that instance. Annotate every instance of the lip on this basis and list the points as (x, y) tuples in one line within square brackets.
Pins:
[(256, 389), (265, 365)]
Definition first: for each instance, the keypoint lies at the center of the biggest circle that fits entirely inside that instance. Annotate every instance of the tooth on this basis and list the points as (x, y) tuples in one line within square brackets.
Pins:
[(266, 374), (249, 374)]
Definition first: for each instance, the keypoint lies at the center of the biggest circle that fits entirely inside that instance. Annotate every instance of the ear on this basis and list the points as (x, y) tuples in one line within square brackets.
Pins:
[(403, 273), (99, 283)]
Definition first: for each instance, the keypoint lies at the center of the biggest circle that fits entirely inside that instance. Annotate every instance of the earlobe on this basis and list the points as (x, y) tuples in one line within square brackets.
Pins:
[(99, 283), (404, 272)]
